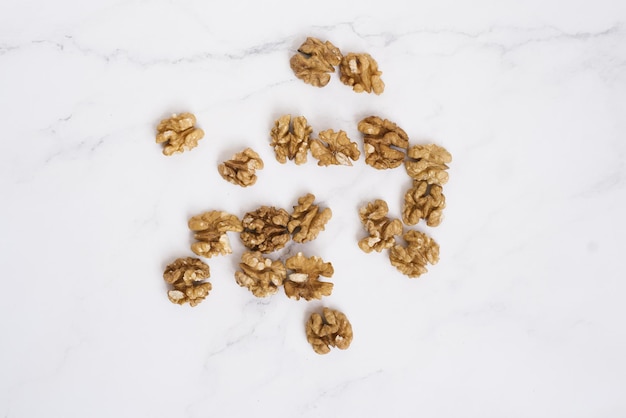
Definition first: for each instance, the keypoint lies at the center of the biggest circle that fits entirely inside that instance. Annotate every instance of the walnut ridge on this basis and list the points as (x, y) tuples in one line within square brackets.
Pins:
[(307, 220), (331, 329), (360, 71), (381, 229), (303, 281), (385, 142), (290, 139), (413, 258), (423, 201), (187, 275), (315, 61), (210, 230), (178, 133), (241, 169), (334, 148), (260, 275), (265, 229)]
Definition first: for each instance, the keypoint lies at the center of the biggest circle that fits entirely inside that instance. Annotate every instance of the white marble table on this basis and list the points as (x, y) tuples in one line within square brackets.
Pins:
[(522, 317)]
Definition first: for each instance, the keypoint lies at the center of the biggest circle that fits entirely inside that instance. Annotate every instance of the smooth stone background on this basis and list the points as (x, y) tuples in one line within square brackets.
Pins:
[(523, 316)]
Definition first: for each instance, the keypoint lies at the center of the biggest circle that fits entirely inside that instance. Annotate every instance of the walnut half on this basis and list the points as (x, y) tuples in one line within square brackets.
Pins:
[(260, 275), (334, 148), (381, 229), (360, 71), (290, 139), (413, 258), (210, 230), (241, 169), (178, 133), (331, 329), (307, 220), (315, 62), (265, 229), (304, 282), (385, 142), (428, 163), (423, 201), (186, 276)]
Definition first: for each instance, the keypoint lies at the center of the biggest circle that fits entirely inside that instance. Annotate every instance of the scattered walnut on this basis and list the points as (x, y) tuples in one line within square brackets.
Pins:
[(419, 251), (265, 229), (330, 330), (360, 71), (334, 148), (381, 229), (186, 275), (303, 282), (379, 138), (291, 143), (428, 163), (210, 231), (241, 169), (315, 62), (306, 220), (178, 133), (260, 275), (423, 201)]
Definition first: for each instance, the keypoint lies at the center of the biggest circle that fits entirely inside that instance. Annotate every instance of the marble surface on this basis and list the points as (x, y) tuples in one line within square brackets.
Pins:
[(523, 316)]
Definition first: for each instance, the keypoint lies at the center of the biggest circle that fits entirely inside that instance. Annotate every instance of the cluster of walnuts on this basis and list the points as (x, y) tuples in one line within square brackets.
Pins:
[(268, 229)]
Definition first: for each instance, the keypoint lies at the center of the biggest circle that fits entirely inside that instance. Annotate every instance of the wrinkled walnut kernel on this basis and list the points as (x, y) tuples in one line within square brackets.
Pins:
[(178, 133), (334, 148), (241, 169), (186, 276), (210, 231), (428, 163), (303, 281), (331, 329), (291, 142), (265, 229), (306, 220), (384, 142), (360, 71), (381, 229), (413, 258), (423, 201), (315, 61), (260, 275)]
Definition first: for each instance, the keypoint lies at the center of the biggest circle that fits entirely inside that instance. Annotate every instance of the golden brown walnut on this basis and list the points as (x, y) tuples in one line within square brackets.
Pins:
[(290, 139), (360, 71), (178, 133), (186, 276), (265, 229), (385, 142), (381, 229), (304, 282), (210, 230), (260, 275), (423, 201), (241, 169), (306, 220), (413, 258), (331, 329), (334, 148), (428, 163), (315, 62)]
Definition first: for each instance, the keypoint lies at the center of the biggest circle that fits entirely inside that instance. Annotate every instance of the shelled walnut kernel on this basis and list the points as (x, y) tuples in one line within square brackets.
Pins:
[(385, 142), (331, 329), (241, 169), (334, 148), (315, 62), (265, 229), (413, 258), (178, 133), (290, 139), (423, 201), (428, 163), (260, 275), (360, 71), (186, 276), (307, 221), (381, 229), (210, 230), (304, 282)]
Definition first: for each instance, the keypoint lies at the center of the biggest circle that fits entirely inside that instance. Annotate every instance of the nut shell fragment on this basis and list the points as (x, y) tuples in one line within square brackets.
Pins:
[(241, 169), (331, 329), (385, 143), (290, 139), (360, 71), (334, 148), (265, 229), (210, 231), (304, 282), (178, 133), (260, 275), (307, 221), (413, 258), (381, 229), (315, 61)]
